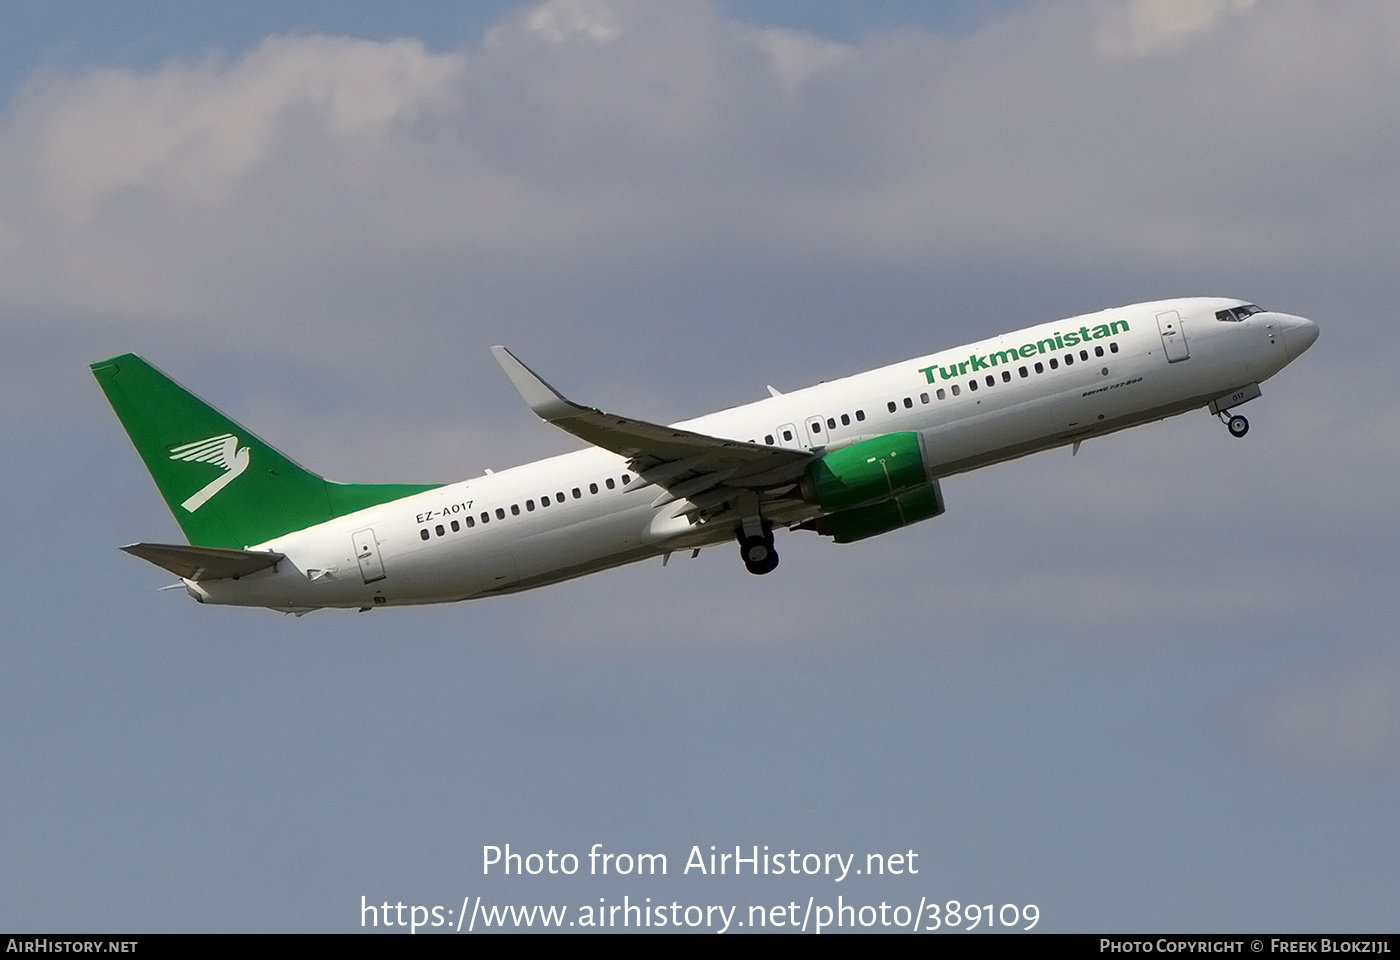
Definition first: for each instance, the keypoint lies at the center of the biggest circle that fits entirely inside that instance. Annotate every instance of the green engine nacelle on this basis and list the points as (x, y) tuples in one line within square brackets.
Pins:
[(865, 472), (871, 487), (898, 511)]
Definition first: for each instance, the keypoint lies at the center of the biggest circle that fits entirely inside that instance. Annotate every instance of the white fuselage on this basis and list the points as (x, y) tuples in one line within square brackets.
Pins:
[(546, 523)]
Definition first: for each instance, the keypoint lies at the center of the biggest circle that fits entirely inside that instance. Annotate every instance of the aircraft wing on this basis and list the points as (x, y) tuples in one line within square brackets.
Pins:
[(204, 563), (694, 466)]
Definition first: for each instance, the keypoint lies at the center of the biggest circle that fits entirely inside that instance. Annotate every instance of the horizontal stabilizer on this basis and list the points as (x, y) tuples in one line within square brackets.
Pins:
[(204, 563)]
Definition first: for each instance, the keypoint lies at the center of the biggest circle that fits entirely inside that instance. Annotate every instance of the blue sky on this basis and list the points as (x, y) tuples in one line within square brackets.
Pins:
[(1153, 686)]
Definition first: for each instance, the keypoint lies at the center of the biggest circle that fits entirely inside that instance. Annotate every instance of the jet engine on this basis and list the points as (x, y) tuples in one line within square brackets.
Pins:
[(871, 487)]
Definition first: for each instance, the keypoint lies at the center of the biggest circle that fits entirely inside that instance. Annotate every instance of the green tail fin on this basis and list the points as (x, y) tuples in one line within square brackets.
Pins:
[(225, 485)]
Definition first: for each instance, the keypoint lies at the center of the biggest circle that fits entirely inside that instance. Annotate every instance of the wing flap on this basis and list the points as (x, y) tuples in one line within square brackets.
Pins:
[(204, 563)]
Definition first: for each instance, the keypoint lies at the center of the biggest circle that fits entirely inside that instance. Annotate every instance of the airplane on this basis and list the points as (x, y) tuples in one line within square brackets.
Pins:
[(847, 459)]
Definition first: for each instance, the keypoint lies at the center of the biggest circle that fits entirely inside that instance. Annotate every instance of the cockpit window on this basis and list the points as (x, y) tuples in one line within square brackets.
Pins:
[(1236, 314)]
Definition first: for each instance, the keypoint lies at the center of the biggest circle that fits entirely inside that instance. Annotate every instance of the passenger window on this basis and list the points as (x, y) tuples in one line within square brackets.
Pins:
[(816, 426), (1113, 348), (831, 423), (626, 479), (424, 533), (559, 497), (530, 505), (1039, 367), (892, 406), (908, 403), (578, 494), (1098, 351), (845, 419), (787, 435), (768, 439), (923, 398), (1069, 359), (956, 391), (991, 380), (515, 509), (544, 500), (501, 513), (860, 414), (1054, 364), (485, 517), (611, 485), (1023, 372), (439, 531), (592, 488), (1083, 354), (941, 395), (972, 384), (456, 527), (469, 521)]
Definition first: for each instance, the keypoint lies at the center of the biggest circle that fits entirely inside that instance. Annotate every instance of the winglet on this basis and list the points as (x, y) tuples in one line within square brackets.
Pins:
[(548, 403)]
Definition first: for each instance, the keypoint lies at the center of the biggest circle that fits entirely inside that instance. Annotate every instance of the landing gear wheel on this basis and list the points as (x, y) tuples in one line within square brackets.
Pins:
[(758, 554), (1238, 426)]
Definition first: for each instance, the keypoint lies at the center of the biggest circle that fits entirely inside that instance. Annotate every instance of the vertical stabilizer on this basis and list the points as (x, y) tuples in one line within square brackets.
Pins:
[(224, 484)]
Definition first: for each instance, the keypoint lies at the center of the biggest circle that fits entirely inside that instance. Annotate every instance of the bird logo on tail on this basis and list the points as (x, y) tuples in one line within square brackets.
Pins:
[(222, 450)]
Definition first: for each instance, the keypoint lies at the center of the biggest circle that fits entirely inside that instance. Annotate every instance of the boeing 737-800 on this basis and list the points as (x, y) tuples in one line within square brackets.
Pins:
[(846, 459)]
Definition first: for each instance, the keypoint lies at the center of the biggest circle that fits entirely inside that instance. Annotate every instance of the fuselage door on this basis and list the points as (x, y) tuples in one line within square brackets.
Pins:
[(1173, 336), (816, 432), (367, 554), (787, 436)]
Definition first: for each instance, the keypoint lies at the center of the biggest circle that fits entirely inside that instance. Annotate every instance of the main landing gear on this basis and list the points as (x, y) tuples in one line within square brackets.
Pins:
[(1237, 425), (756, 548)]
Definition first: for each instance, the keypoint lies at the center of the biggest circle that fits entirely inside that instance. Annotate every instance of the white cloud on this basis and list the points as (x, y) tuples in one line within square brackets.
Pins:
[(620, 136), (798, 57), (1144, 26), (146, 193), (565, 20), (1345, 720)]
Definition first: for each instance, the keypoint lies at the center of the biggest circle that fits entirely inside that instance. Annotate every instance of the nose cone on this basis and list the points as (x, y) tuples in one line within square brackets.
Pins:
[(1298, 335)]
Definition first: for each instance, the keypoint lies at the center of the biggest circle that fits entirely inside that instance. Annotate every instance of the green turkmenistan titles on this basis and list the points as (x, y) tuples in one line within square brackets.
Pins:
[(1059, 341), (226, 486)]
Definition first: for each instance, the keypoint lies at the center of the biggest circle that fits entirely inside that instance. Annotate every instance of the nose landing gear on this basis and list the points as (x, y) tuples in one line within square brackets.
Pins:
[(1237, 425), (1221, 407)]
